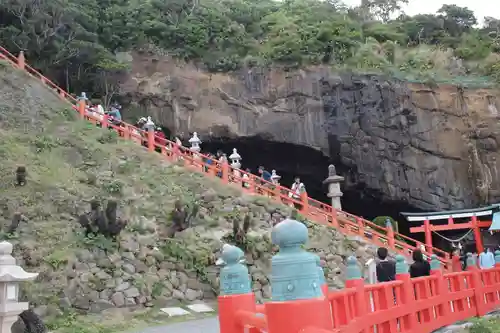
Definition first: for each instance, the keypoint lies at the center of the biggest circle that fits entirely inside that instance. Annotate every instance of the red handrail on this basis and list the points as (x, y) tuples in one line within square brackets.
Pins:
[(312, 209)]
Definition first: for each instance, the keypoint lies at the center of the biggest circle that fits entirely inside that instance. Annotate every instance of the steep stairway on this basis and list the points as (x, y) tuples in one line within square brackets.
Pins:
[(312, 209)]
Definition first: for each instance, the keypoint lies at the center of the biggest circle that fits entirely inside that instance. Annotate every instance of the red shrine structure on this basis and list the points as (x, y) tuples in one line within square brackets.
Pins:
[(477, 220)]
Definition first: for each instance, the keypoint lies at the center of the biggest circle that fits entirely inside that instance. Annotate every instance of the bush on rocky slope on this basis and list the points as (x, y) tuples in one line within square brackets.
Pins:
[(68, 165)]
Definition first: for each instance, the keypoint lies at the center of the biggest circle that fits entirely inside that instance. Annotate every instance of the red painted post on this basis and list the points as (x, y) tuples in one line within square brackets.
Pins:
[(391, 242), (428, 236), (409, 322), (82, 104), (225, 171), (236, 292), (334, 221), (21, 61), (361, 227), (151, 140), (476, 285), (477, 235), (104, 122), (305, 203), (354, 280), (443, 310)]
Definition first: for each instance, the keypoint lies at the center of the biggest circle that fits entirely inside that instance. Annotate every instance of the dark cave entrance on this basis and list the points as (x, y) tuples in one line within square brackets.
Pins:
[(311, 165)]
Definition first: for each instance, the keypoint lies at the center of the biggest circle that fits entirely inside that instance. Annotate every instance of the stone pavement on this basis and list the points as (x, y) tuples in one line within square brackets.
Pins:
[(207, 325)]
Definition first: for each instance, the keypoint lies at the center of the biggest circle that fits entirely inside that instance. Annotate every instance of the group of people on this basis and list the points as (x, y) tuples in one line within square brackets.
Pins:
[(386, 267)]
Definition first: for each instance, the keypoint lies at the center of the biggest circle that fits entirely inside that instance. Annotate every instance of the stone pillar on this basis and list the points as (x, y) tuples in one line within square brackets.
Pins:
[(295, 283), (235, 290), (10, 277), (333, 182), (195, 143)]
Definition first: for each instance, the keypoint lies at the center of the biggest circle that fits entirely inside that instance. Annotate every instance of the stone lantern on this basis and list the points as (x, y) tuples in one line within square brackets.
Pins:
[(83, 97), (195, 143), (10, 277), (333, 182), (235, 159), (275, 179)]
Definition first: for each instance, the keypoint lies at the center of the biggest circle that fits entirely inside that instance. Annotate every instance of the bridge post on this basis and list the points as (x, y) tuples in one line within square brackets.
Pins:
[(476, 284), (82, 104), (235, 290), (354, 279), (441, 285), (322, 280), (407, 293), (21, 61), (295, 284), (10, 276), (390, 234)]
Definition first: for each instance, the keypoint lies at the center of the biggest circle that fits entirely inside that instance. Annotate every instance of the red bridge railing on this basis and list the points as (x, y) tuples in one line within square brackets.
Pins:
[(405, 305), (312, 209)]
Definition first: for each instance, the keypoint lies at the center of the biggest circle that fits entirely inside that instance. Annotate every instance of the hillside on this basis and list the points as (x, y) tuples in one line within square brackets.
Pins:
[(70, 162)]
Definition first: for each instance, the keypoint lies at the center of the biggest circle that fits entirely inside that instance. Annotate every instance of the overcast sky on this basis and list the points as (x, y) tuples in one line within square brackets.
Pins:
[(481, 8)]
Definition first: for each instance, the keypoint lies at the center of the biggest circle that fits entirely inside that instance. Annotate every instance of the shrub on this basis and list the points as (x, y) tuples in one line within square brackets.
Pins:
[(99, 222), (182, 216)]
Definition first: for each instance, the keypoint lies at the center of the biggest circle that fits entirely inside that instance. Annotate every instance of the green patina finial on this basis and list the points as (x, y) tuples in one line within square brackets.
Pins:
[(497, 257), (353, 271), (471, 261), (435, 263), (294, 271), (234, 277), (401, 266)]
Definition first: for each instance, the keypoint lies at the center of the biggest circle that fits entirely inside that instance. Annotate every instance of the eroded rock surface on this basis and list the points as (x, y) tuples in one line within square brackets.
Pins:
[(436, 148)]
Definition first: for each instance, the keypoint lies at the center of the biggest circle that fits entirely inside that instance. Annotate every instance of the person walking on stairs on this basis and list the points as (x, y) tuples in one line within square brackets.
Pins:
[(420, 266), (386, 268)]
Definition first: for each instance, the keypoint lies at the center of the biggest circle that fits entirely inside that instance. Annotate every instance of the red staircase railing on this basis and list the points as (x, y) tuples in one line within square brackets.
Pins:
[(314, 210)]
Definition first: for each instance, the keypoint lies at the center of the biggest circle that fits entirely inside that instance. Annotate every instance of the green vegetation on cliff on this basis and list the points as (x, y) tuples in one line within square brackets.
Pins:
[(75, 42)]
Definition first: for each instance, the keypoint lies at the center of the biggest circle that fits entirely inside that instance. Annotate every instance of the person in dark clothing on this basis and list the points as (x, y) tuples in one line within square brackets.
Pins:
[(386, 269), (266, 175), (420, 267)]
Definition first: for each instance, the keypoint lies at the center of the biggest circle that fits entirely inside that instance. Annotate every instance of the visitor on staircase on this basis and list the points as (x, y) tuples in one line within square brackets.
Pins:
[(266, 175), (420, 266), (115, 117), (99, 112), (298, 188), (386, 268), (486, 259)]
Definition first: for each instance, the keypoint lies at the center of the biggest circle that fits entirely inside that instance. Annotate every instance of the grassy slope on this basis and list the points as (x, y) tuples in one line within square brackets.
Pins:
[(67, 166)]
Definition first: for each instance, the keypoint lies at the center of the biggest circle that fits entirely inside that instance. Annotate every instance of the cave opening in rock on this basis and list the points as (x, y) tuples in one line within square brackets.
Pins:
[(311, 165)]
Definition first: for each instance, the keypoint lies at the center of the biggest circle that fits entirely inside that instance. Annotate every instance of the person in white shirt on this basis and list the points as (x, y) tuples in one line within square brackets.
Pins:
[(486, 259), (297, 189)]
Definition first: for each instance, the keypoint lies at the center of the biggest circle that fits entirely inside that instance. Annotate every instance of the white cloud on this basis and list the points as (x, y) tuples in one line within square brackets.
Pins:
[(481, 8)]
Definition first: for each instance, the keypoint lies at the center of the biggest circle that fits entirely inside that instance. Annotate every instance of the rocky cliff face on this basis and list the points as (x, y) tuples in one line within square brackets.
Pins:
[(436, 148)]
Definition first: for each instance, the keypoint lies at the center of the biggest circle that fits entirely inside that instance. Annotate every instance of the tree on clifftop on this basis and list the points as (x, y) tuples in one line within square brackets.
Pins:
[(70, 40)]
